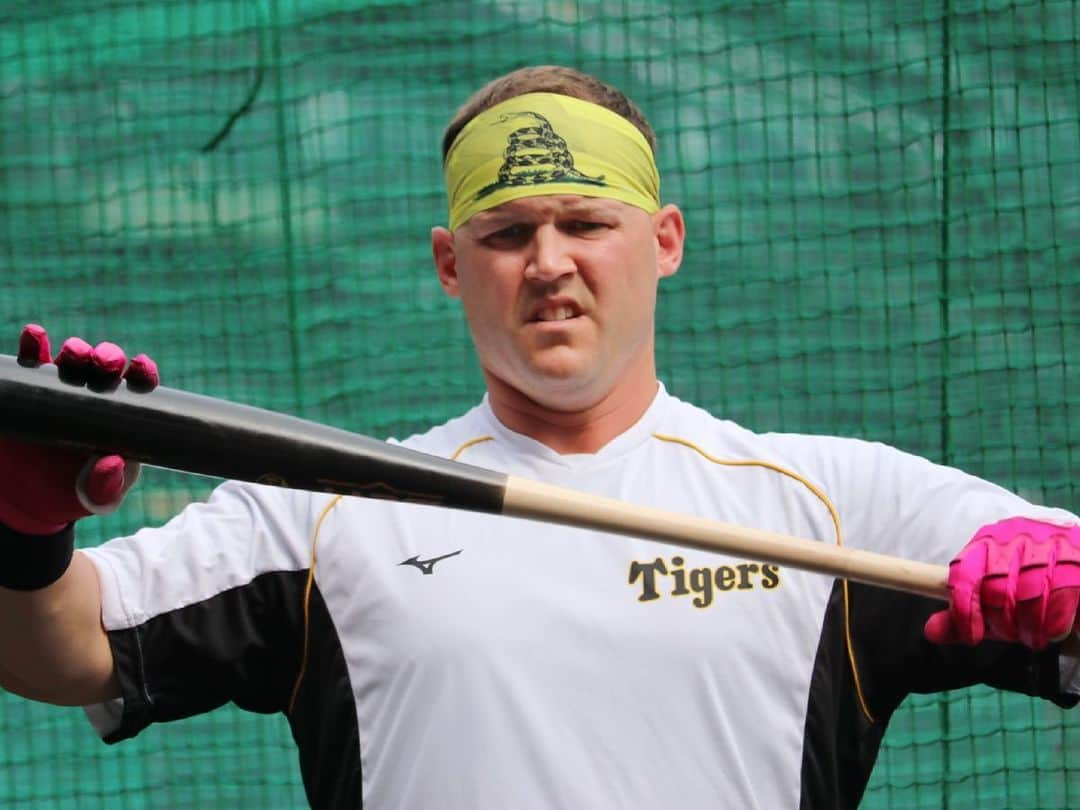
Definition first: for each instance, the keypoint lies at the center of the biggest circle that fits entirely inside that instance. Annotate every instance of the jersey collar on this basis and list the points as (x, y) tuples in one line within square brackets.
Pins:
[(624, 443)]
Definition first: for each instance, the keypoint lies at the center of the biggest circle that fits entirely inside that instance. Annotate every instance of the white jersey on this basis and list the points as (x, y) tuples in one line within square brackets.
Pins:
[(460, 661)]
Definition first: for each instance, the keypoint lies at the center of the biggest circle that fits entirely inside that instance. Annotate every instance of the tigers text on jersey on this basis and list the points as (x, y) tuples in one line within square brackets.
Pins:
[(460, 661)]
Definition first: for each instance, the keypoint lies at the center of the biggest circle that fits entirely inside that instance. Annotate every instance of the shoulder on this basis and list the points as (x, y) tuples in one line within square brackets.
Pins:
[(687, 423), (688, 420), (447, 438)]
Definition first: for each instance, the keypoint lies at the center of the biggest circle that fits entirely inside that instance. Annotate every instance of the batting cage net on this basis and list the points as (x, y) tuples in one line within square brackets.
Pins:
[(883, 202)]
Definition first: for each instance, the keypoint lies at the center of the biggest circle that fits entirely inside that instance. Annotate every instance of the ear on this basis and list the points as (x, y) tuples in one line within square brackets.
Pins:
[(670, 230), (442, 250)]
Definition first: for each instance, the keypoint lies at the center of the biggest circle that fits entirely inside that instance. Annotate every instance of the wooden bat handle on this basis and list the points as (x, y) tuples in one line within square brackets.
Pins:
[(540, 501)]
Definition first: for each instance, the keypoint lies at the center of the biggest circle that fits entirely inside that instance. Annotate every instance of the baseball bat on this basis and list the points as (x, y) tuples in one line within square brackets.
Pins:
[(205, 435)]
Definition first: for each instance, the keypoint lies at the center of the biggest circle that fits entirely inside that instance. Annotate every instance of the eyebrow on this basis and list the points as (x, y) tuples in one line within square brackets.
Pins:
[(587, 205)]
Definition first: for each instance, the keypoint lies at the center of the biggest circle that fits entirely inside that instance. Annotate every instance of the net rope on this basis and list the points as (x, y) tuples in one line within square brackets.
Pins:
[(883, 202)]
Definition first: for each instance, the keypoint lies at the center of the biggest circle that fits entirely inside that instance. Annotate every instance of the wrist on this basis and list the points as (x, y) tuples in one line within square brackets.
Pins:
[(30, 562)]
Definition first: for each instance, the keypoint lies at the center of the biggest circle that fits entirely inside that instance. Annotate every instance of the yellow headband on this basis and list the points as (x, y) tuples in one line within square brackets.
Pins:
[(545, 143)]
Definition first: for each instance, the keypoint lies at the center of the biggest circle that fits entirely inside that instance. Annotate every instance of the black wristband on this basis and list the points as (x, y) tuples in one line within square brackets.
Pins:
[(29, 562)]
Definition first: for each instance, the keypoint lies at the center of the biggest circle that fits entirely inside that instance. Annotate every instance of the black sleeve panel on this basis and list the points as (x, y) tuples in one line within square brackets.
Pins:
[(894, 660), (324, 722), (887, 630), (242, 645), (246, 646)]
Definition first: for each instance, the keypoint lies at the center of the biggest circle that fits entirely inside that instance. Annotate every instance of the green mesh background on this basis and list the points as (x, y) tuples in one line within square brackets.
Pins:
[(884, 213)]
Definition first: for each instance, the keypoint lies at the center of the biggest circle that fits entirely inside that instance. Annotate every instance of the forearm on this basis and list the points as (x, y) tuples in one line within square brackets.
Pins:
[(52, 645)]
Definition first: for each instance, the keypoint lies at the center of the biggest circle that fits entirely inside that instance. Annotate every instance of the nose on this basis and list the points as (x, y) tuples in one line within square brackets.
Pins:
[(550, 256)]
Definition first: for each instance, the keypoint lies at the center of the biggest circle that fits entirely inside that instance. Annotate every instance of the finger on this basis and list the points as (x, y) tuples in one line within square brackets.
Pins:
[(1032, 614), (73, 360), (939, 628), (108, 359), (965, 584), (1001, 625), (1031, 623), (105, 480), (34, 349), (968, 620), (1060, 614), (1001, 607), (142, 374), (107, 363)]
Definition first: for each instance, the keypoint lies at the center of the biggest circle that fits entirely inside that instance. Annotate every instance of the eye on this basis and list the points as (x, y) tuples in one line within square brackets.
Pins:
[(508, 236), (585, 225)]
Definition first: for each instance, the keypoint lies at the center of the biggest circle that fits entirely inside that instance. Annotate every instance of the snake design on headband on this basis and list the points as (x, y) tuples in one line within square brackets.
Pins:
[(546, 143), (534, 155)]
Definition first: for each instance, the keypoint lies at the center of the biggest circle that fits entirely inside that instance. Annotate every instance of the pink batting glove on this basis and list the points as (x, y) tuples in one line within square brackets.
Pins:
[(1016, 580), (42, 488)]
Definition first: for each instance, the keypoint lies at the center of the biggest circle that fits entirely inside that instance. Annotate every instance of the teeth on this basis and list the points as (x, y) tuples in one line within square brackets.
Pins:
[(555, 314)]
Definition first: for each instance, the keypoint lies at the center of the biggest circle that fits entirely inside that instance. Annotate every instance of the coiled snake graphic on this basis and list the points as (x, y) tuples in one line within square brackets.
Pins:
[(534, 155)]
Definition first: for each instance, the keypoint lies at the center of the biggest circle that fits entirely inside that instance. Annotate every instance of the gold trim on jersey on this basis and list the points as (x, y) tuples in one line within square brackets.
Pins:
[(468, 444), (833, 513), (307, 600)]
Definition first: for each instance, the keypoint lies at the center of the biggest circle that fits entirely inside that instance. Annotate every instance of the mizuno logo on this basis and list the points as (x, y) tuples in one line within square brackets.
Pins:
[(428, 566)]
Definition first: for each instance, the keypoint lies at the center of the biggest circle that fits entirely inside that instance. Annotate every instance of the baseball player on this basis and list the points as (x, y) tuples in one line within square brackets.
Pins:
[(434, 659)]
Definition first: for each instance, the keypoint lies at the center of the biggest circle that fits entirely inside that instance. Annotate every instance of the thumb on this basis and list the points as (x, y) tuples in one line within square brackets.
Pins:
[(939, 628), (103, 482)]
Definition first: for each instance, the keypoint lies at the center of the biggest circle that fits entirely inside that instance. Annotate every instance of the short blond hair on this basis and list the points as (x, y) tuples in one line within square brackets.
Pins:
[(547, 79)]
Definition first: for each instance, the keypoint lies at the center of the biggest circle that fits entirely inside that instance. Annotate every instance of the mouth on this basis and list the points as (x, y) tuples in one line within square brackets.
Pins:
[(555, 312)]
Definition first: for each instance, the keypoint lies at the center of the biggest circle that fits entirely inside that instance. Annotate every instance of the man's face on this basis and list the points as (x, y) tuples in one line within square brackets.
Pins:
[(560, 291)]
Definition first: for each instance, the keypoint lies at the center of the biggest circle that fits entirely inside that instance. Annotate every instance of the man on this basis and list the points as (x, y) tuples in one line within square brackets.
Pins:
[(428, 658)]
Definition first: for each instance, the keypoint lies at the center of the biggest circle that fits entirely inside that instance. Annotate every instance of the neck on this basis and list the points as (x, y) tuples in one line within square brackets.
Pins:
[(584, 430)]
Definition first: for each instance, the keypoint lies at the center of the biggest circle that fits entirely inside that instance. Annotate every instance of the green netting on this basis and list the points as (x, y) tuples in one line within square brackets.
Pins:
[(883, 201)]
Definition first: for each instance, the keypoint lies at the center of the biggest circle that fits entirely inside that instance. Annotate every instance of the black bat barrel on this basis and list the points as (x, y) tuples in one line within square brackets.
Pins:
[(200, 434)]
